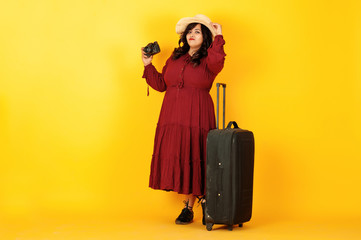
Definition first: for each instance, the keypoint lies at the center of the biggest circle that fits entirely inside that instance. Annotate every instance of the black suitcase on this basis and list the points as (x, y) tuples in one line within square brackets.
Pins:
[(229, 174)]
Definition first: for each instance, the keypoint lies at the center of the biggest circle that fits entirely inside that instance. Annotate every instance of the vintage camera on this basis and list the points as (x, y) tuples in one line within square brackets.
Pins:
[(151, 49)]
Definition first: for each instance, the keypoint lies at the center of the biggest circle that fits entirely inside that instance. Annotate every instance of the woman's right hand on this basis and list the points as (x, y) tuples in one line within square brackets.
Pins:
[(217, 28), (146, 60)]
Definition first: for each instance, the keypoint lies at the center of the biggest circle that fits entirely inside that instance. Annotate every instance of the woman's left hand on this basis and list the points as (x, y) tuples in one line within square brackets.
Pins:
[(217, 28)]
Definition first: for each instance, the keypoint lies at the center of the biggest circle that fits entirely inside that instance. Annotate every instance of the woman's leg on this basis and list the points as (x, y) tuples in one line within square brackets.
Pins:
[(191, 199)]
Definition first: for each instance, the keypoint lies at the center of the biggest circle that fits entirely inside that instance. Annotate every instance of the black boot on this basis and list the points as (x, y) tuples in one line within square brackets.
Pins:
[(202, 200), (204, 213), (186, 215)]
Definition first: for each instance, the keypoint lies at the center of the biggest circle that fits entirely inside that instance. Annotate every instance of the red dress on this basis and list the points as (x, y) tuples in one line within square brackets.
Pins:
[(186, 116)]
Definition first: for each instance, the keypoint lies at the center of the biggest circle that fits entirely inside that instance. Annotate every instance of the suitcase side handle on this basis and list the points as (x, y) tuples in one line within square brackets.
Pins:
[(232, 123)]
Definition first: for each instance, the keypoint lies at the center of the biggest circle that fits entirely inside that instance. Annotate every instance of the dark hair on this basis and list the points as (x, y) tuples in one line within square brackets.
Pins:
[(202, 51)]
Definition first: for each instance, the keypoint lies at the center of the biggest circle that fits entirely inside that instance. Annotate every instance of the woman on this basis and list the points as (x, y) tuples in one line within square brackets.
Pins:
[(187, 114)]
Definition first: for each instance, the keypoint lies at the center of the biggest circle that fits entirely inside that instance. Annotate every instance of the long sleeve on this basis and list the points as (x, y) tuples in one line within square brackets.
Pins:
[(216, 55), (154, 78)]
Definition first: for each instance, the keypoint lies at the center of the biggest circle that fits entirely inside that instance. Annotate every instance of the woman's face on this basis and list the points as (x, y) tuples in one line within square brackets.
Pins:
[(195, 37)]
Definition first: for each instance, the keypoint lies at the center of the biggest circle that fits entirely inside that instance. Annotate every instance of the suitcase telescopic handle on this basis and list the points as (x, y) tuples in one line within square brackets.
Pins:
[(224, 103)]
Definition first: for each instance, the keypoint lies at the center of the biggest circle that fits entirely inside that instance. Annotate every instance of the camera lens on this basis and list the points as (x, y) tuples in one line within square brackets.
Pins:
[(147, 49)]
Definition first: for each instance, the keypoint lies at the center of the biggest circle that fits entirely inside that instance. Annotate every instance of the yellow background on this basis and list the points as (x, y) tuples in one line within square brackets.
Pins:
[(77, 129)]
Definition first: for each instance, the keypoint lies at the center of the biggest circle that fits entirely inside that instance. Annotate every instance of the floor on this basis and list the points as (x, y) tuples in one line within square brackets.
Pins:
[(161, 226)]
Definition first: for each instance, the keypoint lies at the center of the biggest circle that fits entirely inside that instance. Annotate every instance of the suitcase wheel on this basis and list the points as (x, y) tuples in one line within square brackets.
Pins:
[(240, 225), (209, 226), (230, 227)]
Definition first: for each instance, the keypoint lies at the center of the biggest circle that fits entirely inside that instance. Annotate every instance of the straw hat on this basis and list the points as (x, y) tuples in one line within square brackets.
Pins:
[(200, 18)]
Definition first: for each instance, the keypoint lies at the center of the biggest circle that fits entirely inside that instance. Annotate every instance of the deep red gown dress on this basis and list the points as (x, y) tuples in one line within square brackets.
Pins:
[(186, 116)]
